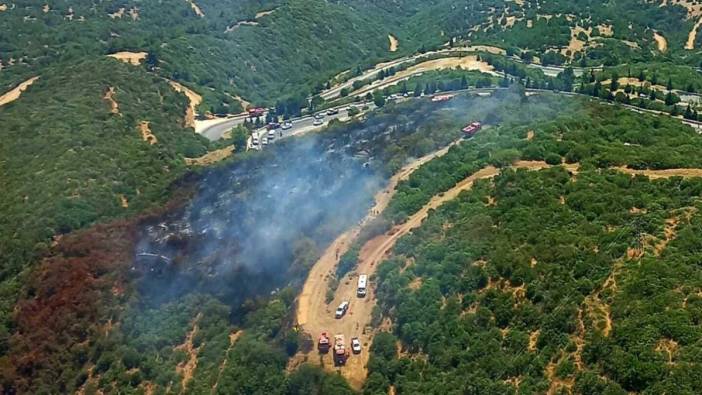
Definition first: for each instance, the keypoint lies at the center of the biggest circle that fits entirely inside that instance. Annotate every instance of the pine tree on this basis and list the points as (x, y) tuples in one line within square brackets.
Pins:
[(417, 90), (597, 89), (669, 86), (688, 113)]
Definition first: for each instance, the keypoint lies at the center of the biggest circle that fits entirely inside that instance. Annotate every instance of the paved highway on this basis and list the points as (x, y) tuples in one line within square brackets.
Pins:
[(213, 129), (302, 125)]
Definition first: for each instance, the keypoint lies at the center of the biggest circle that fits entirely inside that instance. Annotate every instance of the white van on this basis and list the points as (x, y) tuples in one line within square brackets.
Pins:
[(362, 285)]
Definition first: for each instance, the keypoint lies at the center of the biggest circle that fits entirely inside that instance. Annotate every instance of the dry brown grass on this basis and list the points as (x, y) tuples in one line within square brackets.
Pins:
[(211, 157)]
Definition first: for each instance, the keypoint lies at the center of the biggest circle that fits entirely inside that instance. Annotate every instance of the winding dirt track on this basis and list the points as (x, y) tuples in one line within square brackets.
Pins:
[(316, 316)]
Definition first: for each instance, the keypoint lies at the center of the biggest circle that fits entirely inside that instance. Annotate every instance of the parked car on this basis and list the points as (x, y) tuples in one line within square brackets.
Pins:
[(332, 111), (356, 345), (319, 116), (317, 122), (342, 309), (286, 125), (264, 141)]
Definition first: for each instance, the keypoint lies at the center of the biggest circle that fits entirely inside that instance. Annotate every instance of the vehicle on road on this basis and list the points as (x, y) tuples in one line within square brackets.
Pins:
[(332, 111), (256, 112), (362, 286), (272, 125), (317, 122), (264, 141), (355, 345), (323, 344), (271, 135), (254, 140), (341, 354), (471, 129), (319, 115), (440, 98), (342, 309), (287, 125)]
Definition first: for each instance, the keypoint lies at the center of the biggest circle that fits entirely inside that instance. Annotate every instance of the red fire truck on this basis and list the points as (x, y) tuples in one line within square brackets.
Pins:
[(471, 129)]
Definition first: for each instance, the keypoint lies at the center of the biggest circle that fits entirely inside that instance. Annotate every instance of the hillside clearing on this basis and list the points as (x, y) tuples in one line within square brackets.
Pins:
[(661, 42), (133, 58), (393, 43), (16, 92), (196, 8), (109, 97), (146, 134)]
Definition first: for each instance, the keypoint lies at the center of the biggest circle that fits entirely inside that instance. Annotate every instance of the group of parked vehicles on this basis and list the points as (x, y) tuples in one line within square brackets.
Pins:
[(324, 343)]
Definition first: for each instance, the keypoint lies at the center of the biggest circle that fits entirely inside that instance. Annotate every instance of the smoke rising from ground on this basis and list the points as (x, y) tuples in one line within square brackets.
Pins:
[(244, 232)]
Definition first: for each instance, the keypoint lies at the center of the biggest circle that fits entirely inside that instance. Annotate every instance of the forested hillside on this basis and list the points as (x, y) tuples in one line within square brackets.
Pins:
[(577, 276), (84, 147), (580, 278)]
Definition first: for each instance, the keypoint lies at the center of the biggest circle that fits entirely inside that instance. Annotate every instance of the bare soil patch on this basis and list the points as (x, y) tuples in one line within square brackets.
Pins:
[(533, 338), (194, 100), (3, 7), (669, 347), (233, 338), (264, 13), (117, 14), (133, 58), (146, 133), (16, 92), (393, 43), (109, 97), (186, 369), (661, 42), (195, 8)]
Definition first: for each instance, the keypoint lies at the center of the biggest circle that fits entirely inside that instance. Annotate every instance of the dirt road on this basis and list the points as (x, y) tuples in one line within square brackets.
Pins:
[(315, 316)]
